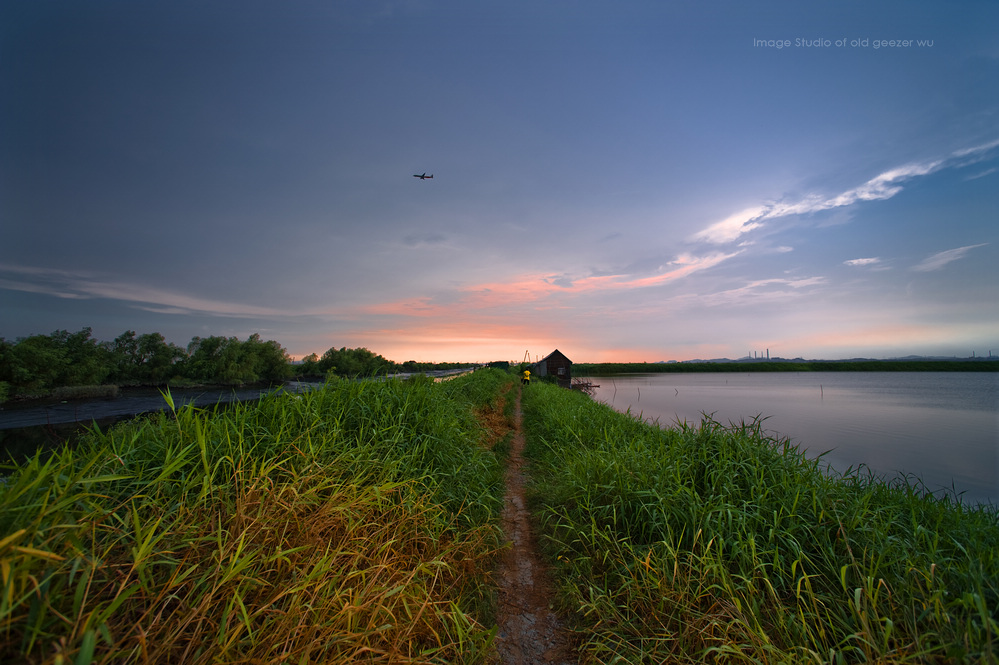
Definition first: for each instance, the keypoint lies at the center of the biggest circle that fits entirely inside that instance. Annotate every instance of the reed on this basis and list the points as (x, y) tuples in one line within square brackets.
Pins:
[(353, 523), (714, 543)]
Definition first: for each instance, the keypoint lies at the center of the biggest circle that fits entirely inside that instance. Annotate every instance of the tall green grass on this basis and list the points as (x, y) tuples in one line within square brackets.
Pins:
[(714, 543), (353, 523)]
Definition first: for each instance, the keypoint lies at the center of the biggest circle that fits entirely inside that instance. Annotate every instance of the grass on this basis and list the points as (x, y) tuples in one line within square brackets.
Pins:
[(353, 523), (720, 544), (358, 523)]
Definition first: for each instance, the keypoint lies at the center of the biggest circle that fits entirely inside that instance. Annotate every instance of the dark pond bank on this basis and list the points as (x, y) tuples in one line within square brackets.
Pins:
[(29, 426), (26, 427)]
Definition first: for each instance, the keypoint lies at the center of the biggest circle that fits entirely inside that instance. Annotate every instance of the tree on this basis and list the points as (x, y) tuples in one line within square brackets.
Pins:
[(38, 363), (358, 362), (212, 359), (156, 358), (123, 356), (229, 361), (309, 365), (270, 361), (6, 367), (42, 362), (86, 360), (144, 359)]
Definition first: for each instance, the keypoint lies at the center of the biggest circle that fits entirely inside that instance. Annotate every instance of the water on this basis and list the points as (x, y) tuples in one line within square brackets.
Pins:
[(27, 428), (940, 427), (45, 425)]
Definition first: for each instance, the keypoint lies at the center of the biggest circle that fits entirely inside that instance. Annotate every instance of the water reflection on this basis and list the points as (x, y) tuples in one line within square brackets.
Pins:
[(942, 427)]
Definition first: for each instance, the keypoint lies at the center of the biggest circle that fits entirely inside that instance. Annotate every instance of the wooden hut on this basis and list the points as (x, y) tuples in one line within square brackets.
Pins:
[(557, 365)]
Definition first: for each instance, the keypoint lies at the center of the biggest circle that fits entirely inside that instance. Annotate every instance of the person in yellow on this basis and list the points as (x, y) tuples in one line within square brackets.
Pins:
[(526, 380)]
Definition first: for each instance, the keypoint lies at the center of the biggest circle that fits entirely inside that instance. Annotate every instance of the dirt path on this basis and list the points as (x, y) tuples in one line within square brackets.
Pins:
[(529, 631)]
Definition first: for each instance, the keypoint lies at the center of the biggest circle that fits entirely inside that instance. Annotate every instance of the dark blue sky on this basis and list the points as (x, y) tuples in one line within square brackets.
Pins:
[(623, 181)]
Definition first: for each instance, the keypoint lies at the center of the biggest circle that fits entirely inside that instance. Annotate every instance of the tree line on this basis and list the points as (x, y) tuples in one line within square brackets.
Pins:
[(361, 362), (37, 364)]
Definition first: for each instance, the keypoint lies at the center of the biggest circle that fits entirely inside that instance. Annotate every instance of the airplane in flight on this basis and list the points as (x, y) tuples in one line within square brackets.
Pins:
[(425, 176)]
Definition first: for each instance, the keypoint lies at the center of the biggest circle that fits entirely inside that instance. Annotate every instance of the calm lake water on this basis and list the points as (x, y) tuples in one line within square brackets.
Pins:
[(941, 427)]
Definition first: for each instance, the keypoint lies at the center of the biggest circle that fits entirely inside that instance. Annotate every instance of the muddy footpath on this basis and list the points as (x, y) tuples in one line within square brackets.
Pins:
[(530, 631)]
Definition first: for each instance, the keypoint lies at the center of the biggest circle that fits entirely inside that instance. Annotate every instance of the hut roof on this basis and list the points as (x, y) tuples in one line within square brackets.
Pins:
[(556, 353)]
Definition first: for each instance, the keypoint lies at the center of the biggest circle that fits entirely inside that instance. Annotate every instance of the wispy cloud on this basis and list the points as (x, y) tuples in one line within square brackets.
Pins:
[(424, 239), (731, 228), (863, 262), (941, 259), (975, 153), (43, 289), (84, 285), (984, 173), (762, 290), (880, 187), (531, 289)]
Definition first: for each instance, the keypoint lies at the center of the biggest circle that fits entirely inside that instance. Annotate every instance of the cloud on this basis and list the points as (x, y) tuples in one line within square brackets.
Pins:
[(732, 227), (976, 153), (534, 287), (682, 266), (83, 285), (424, 239), (982, 174), (941, 259), (532, 290), (883, 186), (27, 287), (863, 262), (762, 290)]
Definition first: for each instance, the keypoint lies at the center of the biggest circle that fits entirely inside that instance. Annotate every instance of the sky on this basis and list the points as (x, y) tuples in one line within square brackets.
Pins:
[(623, 181)]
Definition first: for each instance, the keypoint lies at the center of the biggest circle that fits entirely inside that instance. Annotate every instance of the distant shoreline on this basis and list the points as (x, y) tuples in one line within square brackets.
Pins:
[(977, 365)]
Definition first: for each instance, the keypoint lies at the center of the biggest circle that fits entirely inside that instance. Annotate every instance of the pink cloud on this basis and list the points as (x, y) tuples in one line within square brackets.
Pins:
[(482, 320), (495, 299)]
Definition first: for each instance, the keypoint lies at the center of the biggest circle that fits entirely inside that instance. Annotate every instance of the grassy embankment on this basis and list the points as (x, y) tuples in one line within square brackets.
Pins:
[(355, 523), (713, 544), (604, 369)]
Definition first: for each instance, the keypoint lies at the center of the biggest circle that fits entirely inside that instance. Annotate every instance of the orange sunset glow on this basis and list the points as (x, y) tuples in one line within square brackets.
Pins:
[(636, 182)]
